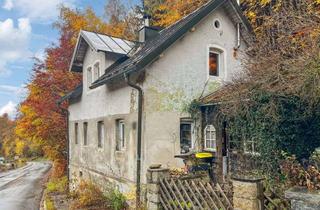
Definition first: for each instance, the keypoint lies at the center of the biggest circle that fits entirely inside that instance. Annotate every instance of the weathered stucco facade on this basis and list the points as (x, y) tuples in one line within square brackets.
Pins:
[(169, 84)]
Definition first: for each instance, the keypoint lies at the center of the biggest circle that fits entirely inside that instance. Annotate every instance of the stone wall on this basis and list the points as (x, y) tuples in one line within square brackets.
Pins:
[(301, 199)]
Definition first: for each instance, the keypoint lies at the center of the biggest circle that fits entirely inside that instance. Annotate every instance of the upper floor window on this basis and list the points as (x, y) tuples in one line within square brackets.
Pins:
[(210, 138), (214, 62), (76, 133), (85, 133), (96, 71), (120, 135), (186, 135), (101, 134), (89, 77)]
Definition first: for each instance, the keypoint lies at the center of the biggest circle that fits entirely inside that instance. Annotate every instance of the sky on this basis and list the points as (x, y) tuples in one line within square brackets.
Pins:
[(25, 32)]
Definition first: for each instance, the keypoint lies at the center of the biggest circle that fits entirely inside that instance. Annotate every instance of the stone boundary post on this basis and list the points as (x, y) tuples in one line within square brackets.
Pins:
[(153, 186), (247, 194), (300, 199)]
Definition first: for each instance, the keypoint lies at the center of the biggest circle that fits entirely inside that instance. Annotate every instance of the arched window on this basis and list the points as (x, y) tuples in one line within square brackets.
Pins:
[(210, 138)]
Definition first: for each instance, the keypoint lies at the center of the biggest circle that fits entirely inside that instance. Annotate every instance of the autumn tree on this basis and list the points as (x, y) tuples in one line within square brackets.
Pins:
[(275, 101), (7, 136)]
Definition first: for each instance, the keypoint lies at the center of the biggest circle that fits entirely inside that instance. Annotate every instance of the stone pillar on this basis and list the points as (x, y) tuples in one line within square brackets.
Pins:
[(154, 175), (247, 194), (301, 199)]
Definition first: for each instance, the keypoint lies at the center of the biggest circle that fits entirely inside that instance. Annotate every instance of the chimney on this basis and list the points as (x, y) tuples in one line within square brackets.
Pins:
[(147, 32)]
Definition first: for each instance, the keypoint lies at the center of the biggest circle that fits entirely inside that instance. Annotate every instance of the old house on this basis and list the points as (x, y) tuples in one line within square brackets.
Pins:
[(130, 113)]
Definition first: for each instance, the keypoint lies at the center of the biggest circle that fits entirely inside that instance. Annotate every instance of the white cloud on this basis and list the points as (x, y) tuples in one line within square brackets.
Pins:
[(8, 5), (14, 42), (13, 90), (37, 10), (10, 108)]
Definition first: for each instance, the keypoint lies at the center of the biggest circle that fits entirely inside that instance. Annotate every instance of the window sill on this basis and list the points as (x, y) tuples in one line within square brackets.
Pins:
[(210, 150)]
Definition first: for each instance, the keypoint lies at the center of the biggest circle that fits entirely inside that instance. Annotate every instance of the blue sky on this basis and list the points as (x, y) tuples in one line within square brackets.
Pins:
[(25, 31)]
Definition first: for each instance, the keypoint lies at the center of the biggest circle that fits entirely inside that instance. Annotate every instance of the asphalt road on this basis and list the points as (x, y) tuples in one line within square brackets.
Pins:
[(22, 188)]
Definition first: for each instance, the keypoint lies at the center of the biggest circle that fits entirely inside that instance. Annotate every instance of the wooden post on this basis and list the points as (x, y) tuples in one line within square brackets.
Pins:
[(153, 186), (247, 193)]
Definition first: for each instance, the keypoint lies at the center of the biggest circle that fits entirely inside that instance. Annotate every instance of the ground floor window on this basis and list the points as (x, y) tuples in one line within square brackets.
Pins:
[(120, 137), (85, 133), (186, 135), (100, 133), (76, 133), (210, 138), (250, 146)]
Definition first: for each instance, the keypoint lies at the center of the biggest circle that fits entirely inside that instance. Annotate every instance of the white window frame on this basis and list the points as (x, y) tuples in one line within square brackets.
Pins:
[(101, 133), (120, 135), (191, 122), (222, 62), (253, 145), (212, 129)]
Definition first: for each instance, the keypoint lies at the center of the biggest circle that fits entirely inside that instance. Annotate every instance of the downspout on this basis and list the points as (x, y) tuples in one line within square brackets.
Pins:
[(67, 113), (238, 33), (138, 175)]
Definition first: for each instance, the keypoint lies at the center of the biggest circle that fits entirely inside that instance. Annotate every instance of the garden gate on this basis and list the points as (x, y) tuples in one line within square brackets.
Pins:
[(180, 193)]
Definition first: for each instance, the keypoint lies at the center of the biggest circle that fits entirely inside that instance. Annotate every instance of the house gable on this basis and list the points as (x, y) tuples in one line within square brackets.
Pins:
[(98, 43), (153, 48)]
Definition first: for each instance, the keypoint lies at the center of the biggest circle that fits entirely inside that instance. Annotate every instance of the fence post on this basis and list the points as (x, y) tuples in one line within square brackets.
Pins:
[(154, 175), (247, 193)]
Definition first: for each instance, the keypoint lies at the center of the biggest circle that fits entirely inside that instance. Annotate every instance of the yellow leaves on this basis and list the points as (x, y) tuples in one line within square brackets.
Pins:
[(251, 15), (265, 2)]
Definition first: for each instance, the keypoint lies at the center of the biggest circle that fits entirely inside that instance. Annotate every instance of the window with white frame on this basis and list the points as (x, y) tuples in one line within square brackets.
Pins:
[(101, 134), (215, 61), (120, 137), (250, 146), (89, 77), (96, 71), (186, 135), (210, 138)]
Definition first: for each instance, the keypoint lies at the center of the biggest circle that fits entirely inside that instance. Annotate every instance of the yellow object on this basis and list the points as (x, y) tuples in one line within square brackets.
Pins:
[(204, 155)]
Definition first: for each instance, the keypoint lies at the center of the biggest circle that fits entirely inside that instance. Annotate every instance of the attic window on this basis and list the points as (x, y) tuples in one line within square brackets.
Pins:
[(214, 63), (216, 24)]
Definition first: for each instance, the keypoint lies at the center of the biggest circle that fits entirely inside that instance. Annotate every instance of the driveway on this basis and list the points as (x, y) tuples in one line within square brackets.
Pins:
[(22, 188)]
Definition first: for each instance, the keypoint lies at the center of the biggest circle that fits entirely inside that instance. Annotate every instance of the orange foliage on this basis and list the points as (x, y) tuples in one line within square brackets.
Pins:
[(170, 11)]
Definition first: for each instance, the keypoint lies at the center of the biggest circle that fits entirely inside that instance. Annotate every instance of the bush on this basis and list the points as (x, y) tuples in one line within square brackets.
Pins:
[(88, 195), (117, 201), (297, 175), (58, 185)]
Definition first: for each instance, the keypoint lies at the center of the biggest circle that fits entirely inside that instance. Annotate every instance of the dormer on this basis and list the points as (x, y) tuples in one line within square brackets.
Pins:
[(112, 47)]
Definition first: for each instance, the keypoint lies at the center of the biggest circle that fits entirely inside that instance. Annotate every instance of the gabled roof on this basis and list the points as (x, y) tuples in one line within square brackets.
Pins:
[(77, 92), (98, 42), (151, 49)]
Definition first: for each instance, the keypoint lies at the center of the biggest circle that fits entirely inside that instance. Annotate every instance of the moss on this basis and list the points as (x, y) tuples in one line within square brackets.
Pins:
[(167, 101)]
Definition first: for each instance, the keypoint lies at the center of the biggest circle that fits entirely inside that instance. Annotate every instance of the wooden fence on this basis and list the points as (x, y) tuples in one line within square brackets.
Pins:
[(176, 193)]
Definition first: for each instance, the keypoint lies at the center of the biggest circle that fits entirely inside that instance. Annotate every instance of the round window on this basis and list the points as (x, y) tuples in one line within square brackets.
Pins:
[(217, 24)]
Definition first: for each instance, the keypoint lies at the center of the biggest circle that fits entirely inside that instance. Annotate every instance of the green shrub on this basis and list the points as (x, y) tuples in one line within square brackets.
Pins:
[(116, 200), (58, 185)]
